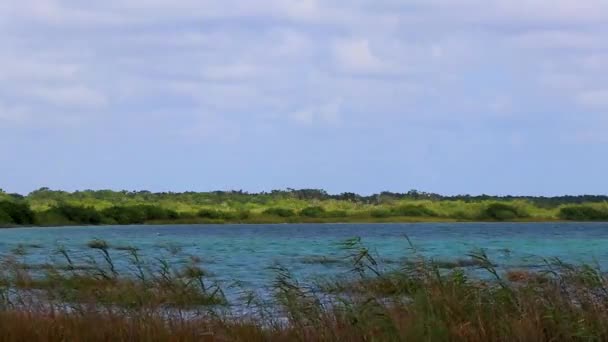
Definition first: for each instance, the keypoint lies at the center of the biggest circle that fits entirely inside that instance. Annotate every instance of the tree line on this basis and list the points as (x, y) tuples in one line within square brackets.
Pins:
[(20, 214), (300, 194)]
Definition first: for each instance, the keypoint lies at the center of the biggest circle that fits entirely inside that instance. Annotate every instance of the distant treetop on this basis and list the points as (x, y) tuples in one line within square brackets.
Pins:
[(300, 194)]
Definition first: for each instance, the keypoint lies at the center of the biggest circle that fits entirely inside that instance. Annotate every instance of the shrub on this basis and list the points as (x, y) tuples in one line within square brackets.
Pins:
[(243, 214), (582, 213), (51, 217), (76, 214), (336, 213), (501, 212), (227, 215), (413, 210), (19, 213), (380, 213), (280, 212), (312, 212), (153, 212), (125, 215), (5, 219), (214, 214), (210, 214), (462, 215), (235, 215)]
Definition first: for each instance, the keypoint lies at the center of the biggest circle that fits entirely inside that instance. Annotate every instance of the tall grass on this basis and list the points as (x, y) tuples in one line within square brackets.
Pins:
[(98, 280), (420, 301)]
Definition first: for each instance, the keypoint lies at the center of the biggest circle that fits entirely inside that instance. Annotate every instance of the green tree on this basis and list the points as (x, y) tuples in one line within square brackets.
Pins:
[(19, 213)]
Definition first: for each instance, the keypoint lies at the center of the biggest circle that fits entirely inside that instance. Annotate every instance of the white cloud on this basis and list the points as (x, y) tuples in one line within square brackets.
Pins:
[(557, 10), (293, 44), (562, 81), (303, 116), (596, 62), (589, 135), (52, 12), (209, 128), (231, 72), (559, 39), (224, 96), (328, 113), (501, 104), (266, 57), (23, 68), (71, 96), (355, 56), (597, 98), (13, 114)]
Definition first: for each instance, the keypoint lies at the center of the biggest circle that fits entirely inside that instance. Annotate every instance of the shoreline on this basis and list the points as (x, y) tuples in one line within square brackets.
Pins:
[(404, 220)]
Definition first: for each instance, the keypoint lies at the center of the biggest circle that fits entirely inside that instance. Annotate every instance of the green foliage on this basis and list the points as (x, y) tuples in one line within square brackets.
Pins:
[(50, 207), (76, 214), (19, 213), (408, 210), (280, 212), (125, 215), (583, 213), (211, 214), (320, 212), (380, 213), (413, 210), (336, 213), (153, 212), (5, 218), (137, 214), (501, 212), (214, 214), (315, 211)]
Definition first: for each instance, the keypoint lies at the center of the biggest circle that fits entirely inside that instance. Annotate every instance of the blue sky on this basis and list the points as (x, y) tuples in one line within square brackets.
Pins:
[(448, 96)]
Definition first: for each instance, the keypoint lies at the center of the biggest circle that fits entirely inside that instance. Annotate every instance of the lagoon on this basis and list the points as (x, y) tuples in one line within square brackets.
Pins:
[(247, 252)]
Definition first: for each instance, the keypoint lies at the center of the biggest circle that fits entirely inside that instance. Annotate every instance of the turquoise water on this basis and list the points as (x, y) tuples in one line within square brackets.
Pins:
[(245, 252)]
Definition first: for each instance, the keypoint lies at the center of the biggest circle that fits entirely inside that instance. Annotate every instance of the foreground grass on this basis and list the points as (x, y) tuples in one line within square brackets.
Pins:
[(420, 301), (97, 280)]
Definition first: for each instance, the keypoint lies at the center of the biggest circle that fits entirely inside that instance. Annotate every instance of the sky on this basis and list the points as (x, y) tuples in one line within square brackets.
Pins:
[(446, 96)]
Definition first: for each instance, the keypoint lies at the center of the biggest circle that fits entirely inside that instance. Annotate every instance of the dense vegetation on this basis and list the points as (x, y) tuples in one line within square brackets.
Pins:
[(47, 207), (92, 299)]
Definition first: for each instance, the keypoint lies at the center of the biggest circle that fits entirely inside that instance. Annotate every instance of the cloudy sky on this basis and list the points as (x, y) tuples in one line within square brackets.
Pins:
[(449, 96)]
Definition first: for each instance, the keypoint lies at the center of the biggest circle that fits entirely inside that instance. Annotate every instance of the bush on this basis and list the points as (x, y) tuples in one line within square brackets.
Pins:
[(316, 212), (76, 214), (336, 213), (312, 212), (19, 213), (582, 213), (413, 210), (210, 214), (153, 212), (380, 213), (462, 215), (140, 213), (223, 215), (52, 218), (5, 219), (236, 215), (280, 212), (501, 212), (243, 214), (126, 215)]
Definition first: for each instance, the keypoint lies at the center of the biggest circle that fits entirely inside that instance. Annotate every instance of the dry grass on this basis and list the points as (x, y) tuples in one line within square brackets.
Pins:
[(419, 302)]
